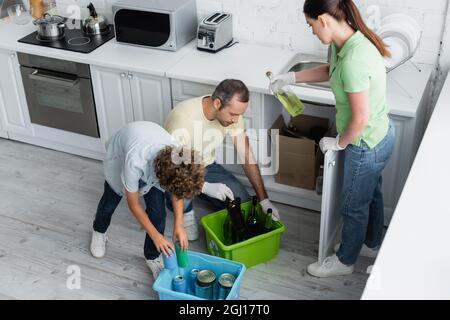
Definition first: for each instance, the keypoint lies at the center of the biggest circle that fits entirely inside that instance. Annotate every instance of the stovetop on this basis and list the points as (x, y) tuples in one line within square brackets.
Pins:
[(74, 40)]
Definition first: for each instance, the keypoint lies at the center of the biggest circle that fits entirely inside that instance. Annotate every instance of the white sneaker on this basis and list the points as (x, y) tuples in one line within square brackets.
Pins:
[(330, 267), (365, 251), (98, 244), (190, 225), (155, 266)]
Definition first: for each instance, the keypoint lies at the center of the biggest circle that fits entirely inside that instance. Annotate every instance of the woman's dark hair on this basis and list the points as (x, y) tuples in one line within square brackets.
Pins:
[(344, 10), (227, 89)]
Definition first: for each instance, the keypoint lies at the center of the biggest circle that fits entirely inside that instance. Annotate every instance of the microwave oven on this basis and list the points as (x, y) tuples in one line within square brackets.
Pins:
[(157, 24)]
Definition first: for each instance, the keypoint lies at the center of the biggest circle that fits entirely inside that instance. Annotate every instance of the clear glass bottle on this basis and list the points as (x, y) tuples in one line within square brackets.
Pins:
[(288, 99)]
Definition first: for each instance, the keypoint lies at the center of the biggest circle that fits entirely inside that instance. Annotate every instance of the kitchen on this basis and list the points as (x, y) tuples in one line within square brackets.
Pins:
[(50, 209)]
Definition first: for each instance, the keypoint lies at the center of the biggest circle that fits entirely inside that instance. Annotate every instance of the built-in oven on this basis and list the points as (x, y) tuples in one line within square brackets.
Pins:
[(59, 94)]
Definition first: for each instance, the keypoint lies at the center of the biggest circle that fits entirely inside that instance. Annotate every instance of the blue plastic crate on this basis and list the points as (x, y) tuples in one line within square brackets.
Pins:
[(163, 284)]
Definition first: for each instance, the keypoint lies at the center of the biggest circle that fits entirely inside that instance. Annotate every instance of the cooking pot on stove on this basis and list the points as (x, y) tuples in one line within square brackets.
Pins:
[(95, 24), (50, 27)]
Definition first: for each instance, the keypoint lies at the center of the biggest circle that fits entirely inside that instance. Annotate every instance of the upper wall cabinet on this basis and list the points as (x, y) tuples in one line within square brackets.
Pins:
[(14, 116), (122, 97)]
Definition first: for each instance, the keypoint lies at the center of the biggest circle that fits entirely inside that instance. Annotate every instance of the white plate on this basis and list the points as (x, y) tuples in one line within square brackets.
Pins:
[(399, 37), (399, 31), (397, 17), (408, 28), (398, 49)]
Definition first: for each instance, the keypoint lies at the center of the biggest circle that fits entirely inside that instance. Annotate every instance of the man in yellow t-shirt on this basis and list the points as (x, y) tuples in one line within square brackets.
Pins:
[(202, 123)]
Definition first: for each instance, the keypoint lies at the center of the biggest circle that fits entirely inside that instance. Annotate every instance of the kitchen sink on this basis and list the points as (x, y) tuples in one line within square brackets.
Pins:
[(302, 62), (303, 65)]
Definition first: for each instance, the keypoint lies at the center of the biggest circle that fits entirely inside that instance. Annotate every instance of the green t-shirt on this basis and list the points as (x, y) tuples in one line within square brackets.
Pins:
[(356, 67)]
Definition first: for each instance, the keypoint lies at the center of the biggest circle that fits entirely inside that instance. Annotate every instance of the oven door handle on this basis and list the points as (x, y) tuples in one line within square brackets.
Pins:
[(66, 82)]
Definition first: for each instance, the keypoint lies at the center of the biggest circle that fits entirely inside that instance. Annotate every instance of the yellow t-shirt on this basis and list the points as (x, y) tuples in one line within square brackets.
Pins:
[(189, 126)]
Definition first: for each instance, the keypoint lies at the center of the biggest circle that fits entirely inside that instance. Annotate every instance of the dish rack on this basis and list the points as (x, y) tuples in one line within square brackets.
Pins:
[(408, 58)]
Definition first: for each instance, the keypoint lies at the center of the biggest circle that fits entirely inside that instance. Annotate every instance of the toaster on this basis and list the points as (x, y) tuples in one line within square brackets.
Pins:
[(215, 32)]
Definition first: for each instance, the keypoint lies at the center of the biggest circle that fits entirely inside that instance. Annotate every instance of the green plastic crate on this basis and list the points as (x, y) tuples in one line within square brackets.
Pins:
[(249, 252)]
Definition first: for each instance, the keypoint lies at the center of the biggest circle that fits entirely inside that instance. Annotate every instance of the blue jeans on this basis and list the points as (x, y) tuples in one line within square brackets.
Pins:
[(362, 201), (215, 173), (156, 212)]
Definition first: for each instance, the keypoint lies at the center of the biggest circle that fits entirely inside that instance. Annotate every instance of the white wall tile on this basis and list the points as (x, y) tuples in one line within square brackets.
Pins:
[(281, 22)]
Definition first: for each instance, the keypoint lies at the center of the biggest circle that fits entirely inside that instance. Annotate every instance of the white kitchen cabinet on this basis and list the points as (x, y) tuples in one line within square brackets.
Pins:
[(151, 98), (122, 97), (14, 116)]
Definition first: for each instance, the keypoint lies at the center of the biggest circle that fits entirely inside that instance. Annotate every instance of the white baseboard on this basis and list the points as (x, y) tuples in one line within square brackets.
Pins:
[(61, 140)]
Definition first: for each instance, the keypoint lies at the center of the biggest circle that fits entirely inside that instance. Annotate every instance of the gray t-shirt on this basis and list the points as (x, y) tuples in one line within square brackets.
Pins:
[(130, 153)]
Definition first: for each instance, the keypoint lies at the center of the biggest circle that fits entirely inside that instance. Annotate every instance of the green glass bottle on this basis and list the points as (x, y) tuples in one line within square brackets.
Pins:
[(234, 226), (268, 222), (227, 231), (288, 99), (252, 222), (227, 225)]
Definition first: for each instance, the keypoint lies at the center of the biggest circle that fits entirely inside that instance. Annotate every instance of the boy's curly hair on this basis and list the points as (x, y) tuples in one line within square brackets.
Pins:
[(180, 172)]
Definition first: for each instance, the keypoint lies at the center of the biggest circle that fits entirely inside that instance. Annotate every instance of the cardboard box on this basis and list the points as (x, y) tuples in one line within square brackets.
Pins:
[(299, 156)]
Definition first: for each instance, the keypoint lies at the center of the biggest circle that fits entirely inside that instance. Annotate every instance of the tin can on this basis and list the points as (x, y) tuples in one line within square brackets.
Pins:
[(204, 286), (182, 256), (179, 284), (170, 262), (193, 277), (226, 281)]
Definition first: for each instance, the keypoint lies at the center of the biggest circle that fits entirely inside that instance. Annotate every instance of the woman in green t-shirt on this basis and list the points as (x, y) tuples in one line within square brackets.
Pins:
[(358, 80)]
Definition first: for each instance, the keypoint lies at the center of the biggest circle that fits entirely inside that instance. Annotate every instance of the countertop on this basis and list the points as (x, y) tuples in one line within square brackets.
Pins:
[(414, 259), (110, 55), (246, 62)]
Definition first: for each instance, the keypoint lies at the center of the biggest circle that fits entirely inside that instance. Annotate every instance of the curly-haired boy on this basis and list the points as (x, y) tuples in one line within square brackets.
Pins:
[(143, 159)]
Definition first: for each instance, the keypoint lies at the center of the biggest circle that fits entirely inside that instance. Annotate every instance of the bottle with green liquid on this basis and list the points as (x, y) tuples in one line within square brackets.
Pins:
[(288, 99)]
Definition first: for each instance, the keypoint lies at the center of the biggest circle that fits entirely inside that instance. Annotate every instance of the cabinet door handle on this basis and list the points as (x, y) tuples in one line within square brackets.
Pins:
[(12, 55), (130, 76), (123, 74)]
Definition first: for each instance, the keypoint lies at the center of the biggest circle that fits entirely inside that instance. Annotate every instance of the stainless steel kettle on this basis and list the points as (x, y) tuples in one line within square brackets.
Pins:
[(95, 24)]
